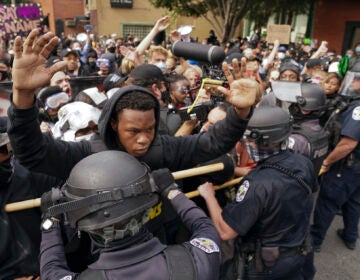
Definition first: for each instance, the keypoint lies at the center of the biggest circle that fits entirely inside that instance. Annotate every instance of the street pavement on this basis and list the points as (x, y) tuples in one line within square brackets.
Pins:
[(335, 261)]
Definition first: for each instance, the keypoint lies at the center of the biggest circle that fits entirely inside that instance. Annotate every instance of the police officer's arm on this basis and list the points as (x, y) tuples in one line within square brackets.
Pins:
[(29, 72), (53, 263), (207, 192), (342, 149)]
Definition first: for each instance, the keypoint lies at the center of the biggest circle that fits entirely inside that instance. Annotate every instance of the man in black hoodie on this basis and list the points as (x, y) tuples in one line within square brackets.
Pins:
[(128, 122)]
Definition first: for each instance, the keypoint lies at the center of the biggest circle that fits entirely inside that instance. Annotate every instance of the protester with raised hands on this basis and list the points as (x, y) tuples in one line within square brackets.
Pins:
[(128, 121)]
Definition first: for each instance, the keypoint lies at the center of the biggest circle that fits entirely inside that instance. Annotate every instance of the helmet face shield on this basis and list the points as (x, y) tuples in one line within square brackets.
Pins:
[(350, 86)]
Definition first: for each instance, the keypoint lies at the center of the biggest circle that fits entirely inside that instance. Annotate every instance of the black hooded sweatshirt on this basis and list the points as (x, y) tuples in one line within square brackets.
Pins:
[(41, 153)]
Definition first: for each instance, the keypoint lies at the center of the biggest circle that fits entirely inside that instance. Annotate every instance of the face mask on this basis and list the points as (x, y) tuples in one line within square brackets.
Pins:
[(281, 55), (357, 49), (92, 64), (257, 154), (78, 49), (84, 137), (111, 49), (161, 65)]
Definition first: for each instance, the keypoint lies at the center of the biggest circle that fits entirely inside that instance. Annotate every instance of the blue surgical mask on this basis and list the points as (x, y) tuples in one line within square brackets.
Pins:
[(357, 49)]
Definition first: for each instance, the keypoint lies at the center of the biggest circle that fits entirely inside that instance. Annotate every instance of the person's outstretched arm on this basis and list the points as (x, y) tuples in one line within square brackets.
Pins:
[(160, 25)]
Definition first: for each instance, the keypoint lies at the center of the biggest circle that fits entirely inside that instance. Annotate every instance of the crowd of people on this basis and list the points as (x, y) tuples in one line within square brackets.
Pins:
[(281, 118)]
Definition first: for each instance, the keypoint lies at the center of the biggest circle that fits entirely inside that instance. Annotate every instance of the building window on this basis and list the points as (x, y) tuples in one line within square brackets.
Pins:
[(136, 30), (121, 3)]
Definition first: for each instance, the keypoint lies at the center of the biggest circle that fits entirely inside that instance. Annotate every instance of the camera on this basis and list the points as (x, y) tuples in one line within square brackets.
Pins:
[(198, 112)]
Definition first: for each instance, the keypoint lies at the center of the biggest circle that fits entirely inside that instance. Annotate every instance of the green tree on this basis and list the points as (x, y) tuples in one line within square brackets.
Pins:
[(225, 15)]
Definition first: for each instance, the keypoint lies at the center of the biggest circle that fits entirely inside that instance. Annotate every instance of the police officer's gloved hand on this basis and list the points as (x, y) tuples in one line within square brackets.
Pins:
[(49, 199), (164, 181)]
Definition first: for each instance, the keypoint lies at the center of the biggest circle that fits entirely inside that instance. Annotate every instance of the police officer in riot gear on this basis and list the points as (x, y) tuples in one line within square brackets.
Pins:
[(270, 214), (308, 137), (340, 185), (109, 195)]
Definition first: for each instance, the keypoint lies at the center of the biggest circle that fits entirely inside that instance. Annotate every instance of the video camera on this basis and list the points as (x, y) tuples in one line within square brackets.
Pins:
[(198, 112)]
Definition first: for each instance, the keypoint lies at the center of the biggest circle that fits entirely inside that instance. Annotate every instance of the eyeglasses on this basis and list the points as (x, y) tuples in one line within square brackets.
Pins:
[(56, 100)]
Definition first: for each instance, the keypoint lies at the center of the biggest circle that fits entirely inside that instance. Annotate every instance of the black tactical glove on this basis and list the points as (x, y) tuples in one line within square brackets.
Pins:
[(51, 198), (164, 181)]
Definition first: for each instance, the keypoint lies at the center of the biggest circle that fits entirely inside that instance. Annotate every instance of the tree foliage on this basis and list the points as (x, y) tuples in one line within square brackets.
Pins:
[(225, 15)]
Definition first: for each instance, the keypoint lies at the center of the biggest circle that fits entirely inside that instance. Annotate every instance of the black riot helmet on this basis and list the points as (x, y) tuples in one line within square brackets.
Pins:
[(312, 97), (268, 125), (107, 188)]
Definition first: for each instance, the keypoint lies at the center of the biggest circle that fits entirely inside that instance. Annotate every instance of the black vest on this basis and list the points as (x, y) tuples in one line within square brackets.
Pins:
[(318, 143)]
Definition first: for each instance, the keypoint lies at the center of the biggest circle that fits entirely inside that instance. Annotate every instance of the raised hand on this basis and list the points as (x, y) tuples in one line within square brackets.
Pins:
[(244, 92), (162, 23), (29, 71), (131, 54), (175, 36)]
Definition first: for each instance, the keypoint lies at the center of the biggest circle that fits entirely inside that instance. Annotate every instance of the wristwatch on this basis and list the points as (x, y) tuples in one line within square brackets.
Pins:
[(173, 193), (50, 223)]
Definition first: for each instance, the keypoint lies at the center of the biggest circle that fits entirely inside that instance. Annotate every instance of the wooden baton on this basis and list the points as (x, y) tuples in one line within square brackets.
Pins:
[(32, 203)]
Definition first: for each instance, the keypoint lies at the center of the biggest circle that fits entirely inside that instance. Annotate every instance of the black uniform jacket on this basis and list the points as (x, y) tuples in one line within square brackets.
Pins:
[(145, 260)]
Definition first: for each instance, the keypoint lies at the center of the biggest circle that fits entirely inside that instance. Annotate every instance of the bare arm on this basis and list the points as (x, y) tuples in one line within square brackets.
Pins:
[(342, 149), (160, 25), (321, 50), (207, 192), (271, 56)]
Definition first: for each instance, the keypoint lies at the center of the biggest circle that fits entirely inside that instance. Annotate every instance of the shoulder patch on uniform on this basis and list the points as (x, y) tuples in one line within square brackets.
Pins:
[(356, 113), (67, 277), (205, 244), (240, 195)]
